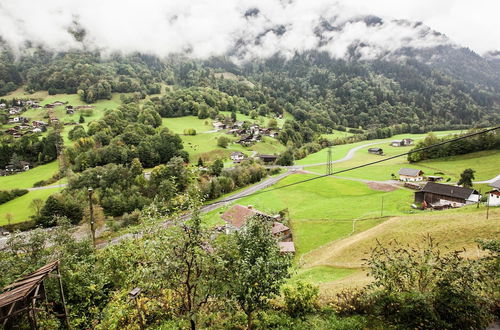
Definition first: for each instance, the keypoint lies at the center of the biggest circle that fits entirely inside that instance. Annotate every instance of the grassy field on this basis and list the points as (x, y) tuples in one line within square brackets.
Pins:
[(341, 150), (484, 162), (28, 178), (453, 229), (19, 207), (178, 124), (336, 135), (321, 211)]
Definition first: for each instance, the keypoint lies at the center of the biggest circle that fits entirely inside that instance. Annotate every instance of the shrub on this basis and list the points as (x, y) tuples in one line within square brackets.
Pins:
[(223, 141), (350, 301), (8, 195), (189, 131), (301, 299)]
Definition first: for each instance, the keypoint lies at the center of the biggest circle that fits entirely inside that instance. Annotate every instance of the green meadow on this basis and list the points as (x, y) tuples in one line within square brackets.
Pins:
[(326, 209), (19, 208), (27, 179)]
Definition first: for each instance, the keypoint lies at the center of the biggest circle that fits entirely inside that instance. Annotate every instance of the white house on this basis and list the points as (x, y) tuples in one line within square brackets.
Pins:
[(494, 195), (410, 174), (237, 156)]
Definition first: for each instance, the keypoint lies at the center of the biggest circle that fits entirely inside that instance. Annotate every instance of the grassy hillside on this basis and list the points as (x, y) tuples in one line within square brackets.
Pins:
[(28, 178), (453, 229), (341, 150), (20, 209), (485, 163), (322, 210)]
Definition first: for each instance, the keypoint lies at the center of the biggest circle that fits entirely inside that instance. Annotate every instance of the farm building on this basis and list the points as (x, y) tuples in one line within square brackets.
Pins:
[(402, 143), (268, 158), (237, 217), (410, 174), (376, 151), (218, 125), (438, 195), (494, 195), (237, 156), (434, 178)]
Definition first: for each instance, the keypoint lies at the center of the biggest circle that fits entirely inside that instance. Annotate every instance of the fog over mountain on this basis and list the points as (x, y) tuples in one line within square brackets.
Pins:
[(244, 29)]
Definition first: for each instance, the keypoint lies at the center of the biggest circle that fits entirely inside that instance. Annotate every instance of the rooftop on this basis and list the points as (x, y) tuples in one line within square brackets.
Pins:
[(448, 190)]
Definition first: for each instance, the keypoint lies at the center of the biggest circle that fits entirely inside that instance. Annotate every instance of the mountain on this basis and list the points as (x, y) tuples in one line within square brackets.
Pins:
[(416, 77)]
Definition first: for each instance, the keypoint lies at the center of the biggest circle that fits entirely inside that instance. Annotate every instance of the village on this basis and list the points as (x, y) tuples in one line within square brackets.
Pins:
[(20, 125)]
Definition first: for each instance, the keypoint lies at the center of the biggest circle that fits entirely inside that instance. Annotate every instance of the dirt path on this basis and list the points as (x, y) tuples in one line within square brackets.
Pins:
[(321, 255)]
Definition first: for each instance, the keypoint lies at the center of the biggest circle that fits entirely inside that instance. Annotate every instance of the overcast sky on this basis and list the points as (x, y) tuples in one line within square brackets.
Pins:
[(471, 23), (212, 27)]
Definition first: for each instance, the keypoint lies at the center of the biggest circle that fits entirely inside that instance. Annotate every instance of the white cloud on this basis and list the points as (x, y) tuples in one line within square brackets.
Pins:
[(208, 28)]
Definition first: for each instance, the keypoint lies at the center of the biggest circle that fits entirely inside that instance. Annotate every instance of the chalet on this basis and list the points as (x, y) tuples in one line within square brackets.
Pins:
[(17, 135), (36, 130), (282, 232), (246, 140), (14, 111), (402, 143), (48, 106), (396, 143), (23, 166), (268, 158), (3, 105), (237, 125), (438, 195), (376, 151), (57, 103), (237, 216), (218, 125), (39, 123), (237, 156), (15, 120), (434, 178), (494, 195), (410, 174), (70, 110)]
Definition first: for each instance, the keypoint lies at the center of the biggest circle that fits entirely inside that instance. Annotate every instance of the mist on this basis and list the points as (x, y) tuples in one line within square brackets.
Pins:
[(244, 29)]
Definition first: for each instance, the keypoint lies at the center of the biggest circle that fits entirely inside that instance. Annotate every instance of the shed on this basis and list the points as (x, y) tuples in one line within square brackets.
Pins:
[(438, 194), (376, 151), (268, 158)]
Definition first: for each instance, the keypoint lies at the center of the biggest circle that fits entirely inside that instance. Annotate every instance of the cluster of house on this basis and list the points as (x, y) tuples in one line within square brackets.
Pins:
[(238, 157), (248, 134), (440, 196), (237, 216), (395, 143), (23, 125), (12, 169), (402, 143)]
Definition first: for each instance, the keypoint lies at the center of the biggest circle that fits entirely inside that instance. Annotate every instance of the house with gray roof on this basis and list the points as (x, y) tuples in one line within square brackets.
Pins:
[(438, 195), (410, 174)]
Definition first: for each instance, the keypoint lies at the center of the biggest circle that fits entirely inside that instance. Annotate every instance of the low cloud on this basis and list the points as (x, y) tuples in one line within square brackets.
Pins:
[(245, 29)]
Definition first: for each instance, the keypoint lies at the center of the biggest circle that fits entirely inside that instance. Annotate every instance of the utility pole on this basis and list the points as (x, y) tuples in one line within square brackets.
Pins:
[(382, 208), (329, 164), (91, 210), (488, 206)]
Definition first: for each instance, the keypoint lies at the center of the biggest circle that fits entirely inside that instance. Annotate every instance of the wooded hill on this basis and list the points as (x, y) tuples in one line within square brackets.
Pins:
[(320, 92)]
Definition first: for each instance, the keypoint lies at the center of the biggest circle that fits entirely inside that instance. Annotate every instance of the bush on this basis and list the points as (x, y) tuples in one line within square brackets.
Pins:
[(301, 299), (189, 131), (223, 141), (350, 301), (8, 195)]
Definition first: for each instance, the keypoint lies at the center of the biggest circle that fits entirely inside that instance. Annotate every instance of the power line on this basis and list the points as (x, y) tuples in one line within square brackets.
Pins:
[(359, 166)]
